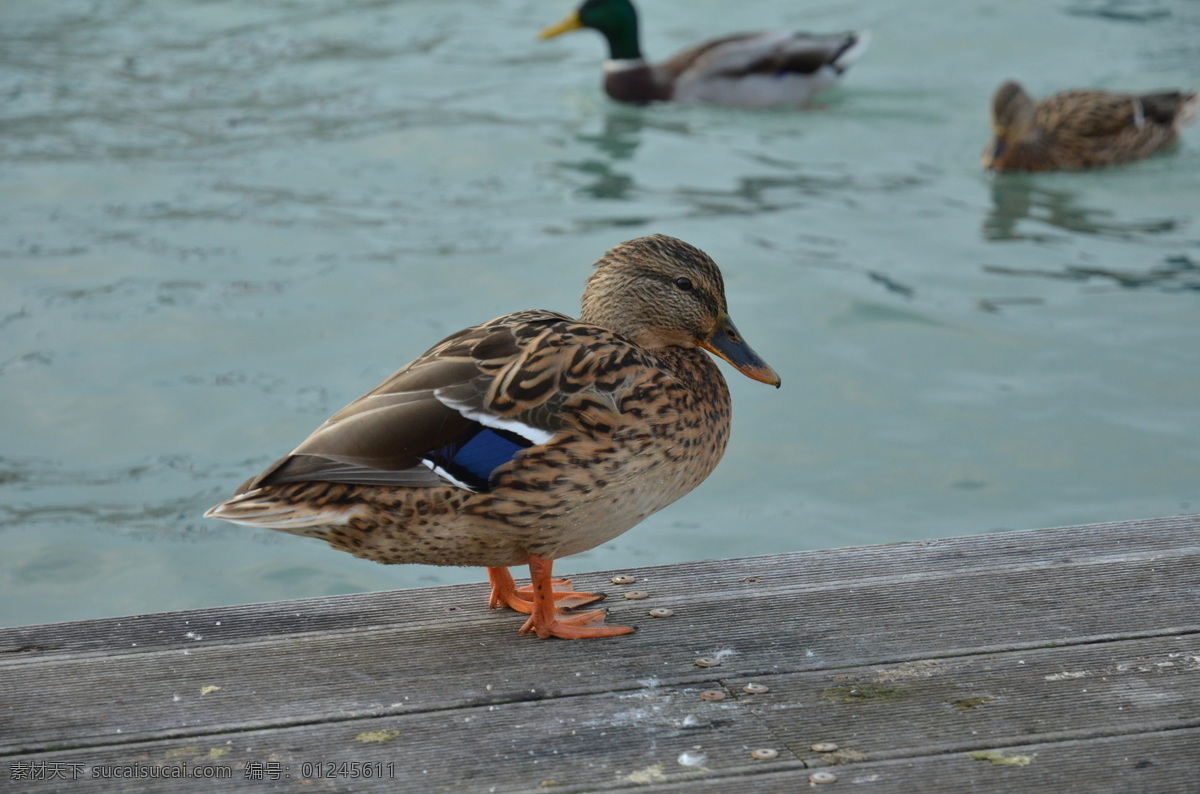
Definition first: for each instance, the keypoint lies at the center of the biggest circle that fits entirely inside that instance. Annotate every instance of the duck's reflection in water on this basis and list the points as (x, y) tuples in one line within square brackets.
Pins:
[(1020, 206), (1175, 274), (616, 143)]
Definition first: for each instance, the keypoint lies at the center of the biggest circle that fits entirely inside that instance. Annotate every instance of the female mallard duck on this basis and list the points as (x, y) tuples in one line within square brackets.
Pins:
[(527, 438), (747, 70), (1081, 129)]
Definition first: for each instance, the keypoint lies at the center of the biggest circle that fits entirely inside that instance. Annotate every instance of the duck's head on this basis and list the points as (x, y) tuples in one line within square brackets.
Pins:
[(1013, 113), (661, 292), (615, 19)]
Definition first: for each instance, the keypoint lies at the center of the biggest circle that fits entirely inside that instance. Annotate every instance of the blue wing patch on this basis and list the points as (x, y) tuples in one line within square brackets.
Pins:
[(471, 460)]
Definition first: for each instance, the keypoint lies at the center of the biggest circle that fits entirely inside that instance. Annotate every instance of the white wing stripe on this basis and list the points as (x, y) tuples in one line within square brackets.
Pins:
[(534, 435), (448, 477)]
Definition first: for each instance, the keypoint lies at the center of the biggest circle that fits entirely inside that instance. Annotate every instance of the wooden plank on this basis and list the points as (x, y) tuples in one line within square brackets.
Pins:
[(1159, 763), (626, 740), (985, 701), (813, 570), (1065, 630), (1135, 696), (761, 627)]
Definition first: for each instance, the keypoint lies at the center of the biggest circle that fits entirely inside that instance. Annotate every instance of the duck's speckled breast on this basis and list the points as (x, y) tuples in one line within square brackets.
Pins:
[(587, 487)]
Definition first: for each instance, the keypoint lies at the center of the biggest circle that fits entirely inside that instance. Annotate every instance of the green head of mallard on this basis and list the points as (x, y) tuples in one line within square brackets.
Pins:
[(616, 20)]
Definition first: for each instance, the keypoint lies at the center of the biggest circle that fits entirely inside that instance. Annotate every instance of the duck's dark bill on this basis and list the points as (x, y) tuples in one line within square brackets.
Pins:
[(727, 343), (999, 144)]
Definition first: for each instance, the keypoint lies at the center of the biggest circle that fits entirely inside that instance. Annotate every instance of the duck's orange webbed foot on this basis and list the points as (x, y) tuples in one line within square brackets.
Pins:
[(506, 593), (574, 626), (546, 620)]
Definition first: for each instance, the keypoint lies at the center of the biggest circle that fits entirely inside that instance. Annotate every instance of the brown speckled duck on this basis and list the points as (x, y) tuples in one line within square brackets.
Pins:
[(745, 70), (1081, 129), (527, 438)]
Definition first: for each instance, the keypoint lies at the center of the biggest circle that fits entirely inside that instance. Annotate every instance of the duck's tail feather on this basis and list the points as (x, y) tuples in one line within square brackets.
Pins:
[(856, 44), (262, 508)]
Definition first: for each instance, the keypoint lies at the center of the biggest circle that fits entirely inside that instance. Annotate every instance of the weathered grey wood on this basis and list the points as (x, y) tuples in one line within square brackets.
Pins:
[(1055, 637), (812, 571), (989, 700), (767, 626), (584, 741), (1158, 763), (603, 742)]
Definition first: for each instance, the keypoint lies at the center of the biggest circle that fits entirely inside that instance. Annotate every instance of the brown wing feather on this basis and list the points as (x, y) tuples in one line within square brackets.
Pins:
[(539, 369), (1090, 114)]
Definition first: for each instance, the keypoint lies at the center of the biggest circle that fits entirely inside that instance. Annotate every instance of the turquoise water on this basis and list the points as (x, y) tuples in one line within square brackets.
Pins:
[(221, 221)]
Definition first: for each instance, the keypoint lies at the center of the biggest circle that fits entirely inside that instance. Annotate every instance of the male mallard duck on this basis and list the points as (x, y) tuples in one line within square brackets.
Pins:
[(1081, 129), (527, 438), (746, 70)]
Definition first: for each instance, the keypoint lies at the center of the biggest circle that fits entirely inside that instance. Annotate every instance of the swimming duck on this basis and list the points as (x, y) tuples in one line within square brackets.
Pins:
[(527, 438), (1081, 129), (746, 70)]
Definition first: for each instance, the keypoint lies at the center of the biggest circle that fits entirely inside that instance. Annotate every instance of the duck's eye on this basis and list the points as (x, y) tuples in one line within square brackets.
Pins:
[(684, 283)]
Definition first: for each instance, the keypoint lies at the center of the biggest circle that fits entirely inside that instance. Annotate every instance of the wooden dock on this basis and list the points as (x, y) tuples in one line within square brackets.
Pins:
[(1060, 660)]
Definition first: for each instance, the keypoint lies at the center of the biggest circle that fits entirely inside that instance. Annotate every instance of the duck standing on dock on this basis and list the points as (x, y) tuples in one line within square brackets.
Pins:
[(1081, 129), (527, 438), (746, 70)]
